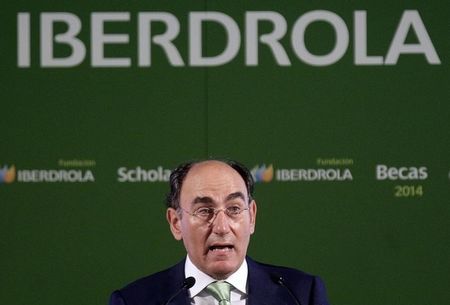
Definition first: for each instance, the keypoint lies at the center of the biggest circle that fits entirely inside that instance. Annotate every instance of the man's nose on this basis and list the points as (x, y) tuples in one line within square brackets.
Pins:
[(221, 223)]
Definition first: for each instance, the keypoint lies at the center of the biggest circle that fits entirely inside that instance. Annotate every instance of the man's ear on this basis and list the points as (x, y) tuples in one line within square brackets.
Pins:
[(174, 221), (252, 209)]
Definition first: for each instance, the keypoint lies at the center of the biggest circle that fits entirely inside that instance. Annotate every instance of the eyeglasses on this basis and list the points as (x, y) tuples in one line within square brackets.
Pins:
[(209, 214)]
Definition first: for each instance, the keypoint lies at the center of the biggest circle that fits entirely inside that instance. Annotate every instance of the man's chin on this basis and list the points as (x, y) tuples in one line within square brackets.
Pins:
[(222, 268), (222, 272)]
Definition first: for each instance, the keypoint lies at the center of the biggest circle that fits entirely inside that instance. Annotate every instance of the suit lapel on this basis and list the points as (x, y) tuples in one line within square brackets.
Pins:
[(175, 281), (181, 299), (262, 290)]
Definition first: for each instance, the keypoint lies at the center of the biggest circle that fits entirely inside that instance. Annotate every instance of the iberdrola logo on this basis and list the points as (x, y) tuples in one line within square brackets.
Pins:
[(7, 175), (262, 173)]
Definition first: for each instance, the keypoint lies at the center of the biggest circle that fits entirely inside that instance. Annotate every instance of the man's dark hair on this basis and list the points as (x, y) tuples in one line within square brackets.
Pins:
[(179, 174)]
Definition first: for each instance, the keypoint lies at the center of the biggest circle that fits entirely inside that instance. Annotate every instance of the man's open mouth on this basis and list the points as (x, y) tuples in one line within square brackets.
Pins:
[(221, 247)]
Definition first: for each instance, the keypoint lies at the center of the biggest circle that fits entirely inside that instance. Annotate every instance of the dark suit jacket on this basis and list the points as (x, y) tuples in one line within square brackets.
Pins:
[(157, 289)]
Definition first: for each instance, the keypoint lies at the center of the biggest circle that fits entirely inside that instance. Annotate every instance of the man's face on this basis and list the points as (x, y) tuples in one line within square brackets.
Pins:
[(218, 247)]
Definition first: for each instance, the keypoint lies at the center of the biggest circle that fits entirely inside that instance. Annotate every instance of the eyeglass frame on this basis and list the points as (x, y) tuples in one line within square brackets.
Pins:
[(215, 213)]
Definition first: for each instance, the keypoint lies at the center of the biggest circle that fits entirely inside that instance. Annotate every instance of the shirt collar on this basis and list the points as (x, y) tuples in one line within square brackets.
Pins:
[(238, 279)]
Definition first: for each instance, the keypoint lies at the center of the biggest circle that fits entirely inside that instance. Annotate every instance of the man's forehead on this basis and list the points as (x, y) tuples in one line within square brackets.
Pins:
[(213, 176), (214, 170)]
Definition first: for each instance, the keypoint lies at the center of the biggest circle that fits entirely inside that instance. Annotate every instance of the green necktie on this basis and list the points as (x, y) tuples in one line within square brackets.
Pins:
[(220, 291)]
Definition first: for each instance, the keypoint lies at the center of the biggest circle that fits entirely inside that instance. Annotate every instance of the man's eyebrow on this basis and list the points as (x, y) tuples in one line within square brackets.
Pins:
[(235, 195), (205, 199), (209, 200)]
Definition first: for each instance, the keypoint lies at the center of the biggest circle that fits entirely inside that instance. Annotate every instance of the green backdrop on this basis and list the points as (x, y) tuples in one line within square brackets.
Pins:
[(85, 150)]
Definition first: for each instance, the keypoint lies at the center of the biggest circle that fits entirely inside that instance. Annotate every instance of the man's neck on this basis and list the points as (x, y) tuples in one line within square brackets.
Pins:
[(238, 279)]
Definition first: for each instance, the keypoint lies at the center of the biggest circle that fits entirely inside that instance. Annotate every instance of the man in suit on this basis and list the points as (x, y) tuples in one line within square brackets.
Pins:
[(211, 209)]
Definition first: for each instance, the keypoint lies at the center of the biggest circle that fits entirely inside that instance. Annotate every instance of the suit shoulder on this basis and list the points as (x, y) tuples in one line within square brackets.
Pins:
[(275, 270), (151, 280), (159, 285), (306, 287)]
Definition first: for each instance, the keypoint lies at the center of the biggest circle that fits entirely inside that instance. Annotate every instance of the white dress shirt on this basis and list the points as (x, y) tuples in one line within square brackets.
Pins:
[(199, 296)]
